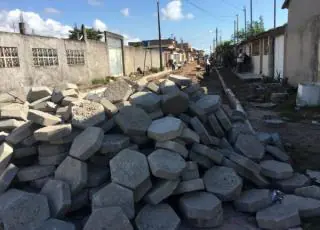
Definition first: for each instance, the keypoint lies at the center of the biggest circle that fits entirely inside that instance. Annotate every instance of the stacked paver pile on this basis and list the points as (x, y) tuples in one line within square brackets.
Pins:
[(160, 157)]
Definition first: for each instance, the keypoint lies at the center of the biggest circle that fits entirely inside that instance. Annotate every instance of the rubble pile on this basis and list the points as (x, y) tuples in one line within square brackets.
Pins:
[(150, 158)]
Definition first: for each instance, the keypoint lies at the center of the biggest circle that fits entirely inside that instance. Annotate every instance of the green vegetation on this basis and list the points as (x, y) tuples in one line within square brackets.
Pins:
[(257, 28), (91, 34)]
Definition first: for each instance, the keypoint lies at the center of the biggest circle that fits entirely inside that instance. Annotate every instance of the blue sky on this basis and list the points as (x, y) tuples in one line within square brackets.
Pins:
[(136, 18)]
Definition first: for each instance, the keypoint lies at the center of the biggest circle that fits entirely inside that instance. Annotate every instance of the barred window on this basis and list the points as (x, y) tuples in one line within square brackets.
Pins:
[(45, 57), (256, 48), (9, 57), (75, 57)]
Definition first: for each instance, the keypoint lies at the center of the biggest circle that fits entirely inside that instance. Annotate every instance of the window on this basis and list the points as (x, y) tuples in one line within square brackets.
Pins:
[(9, 57), (266, 46), (256, 48), (75, 57), (45, 57)]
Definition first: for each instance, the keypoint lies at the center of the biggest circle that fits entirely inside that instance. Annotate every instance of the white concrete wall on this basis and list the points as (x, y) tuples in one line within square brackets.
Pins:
[(265, 65), (96, 62), (279, 56), (256, 64)]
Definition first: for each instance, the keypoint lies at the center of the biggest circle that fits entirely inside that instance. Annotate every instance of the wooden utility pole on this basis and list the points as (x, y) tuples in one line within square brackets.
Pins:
[(251, 16), (275, 13), (159, 31), (245, 21)]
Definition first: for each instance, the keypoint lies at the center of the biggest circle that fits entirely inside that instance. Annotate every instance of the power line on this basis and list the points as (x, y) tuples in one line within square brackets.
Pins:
[(233, 6)]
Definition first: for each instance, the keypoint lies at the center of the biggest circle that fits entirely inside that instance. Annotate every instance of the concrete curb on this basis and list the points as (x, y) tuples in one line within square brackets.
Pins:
[(234, 102)]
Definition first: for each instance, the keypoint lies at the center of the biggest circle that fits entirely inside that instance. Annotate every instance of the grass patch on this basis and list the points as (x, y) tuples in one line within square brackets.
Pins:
[(102, 81)]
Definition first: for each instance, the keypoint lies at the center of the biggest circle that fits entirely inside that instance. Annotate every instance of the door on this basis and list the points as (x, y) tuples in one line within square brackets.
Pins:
[(279, 56), (115, 57)]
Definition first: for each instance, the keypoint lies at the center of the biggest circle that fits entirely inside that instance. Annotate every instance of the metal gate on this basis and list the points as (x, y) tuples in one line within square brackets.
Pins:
[(115, 56)]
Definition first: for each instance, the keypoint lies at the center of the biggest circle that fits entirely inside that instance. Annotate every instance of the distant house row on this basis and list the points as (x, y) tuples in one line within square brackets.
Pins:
[(292, 50)]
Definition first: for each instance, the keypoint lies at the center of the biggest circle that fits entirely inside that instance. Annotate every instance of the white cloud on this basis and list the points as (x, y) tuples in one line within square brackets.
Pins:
[(99, 25), (190, 16), (52, 11), (128, 39), (94, 2), (47, 27), (173, 11), (125, 12)]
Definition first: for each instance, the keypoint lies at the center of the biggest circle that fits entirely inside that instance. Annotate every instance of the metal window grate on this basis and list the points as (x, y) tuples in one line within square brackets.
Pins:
[(75, 57), (45, 57), (9, 57)]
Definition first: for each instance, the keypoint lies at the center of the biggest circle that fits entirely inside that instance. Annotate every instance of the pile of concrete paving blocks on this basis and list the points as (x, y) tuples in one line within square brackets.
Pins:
[(156, 157)]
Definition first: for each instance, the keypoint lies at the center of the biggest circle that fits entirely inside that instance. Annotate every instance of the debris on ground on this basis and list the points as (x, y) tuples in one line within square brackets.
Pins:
[(134, 157)]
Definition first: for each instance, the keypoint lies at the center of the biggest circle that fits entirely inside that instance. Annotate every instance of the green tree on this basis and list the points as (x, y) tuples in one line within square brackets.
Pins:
[(91, 34), (256, 28)]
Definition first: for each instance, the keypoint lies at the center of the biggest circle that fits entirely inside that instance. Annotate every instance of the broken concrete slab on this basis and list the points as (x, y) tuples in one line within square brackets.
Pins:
[(37, 104), (164, 129), (309, 192), (190, 172), (87, 143), (189, 186), (69, 101), (153, 87), (130, 169), (166, 164), (168, 87), (114, 195), (215, 126), (109, 108), (74, 172), (114, 143), (7, 176), (250, 146), (223, 119), (202, 206), (174, 147), (36, 93), (59, 197), (223, 182), (209, 103), (23, 210), (53, 224), (307, 207), (42, 118), (10, 124), (133, 121), (152, 216), (189, 136), (212, 154), (202, 160), (160, 191), (276, 169), (14, 111), (51, 133), (277, 153), (278, 217), (116, 219), (175, 103), (64, 113), (296, 181), (6, 153), (46, 149), (34, 172), (254, 200), (48, 107), (201, 131), (180, 80), (147, 101), (86, 114), (117, 91), (3, 136), (67, 139)]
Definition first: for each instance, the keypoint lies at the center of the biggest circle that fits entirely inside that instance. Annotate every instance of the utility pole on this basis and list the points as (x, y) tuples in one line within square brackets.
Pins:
[(159, 31), (217, 36), (275, 13), (234, 32), (237, 27), (245, 21), (251, 16)]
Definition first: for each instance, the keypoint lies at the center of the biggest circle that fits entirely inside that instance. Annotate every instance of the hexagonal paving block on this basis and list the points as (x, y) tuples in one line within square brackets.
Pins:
[(296, 181), (254, 200), (160, 191), (209, 103), (250, 146), (130, 169), (278, 217), (55, 224), (309, 191), (202, 205), (114, 220), (133, 120), (164, 129), (114, 143), (307, 207), (223, 182), (22, 210), (157, 217), (276, 169), (114, 195), (166, 164), (146, 100), (175, 103)]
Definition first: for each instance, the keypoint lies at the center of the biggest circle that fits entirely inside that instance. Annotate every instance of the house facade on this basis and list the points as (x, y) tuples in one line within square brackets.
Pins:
[(302, 49)]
